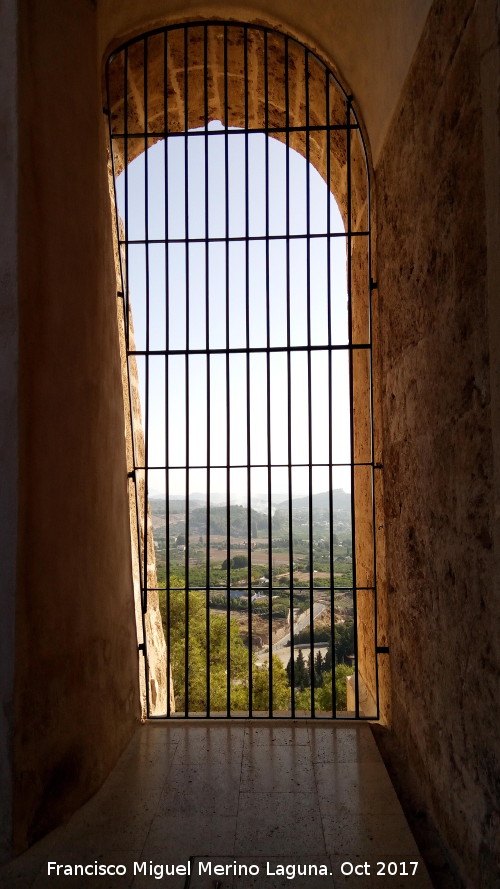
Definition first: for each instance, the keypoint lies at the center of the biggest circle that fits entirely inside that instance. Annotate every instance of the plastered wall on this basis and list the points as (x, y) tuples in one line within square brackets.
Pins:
[(76, 664), (438, 443)]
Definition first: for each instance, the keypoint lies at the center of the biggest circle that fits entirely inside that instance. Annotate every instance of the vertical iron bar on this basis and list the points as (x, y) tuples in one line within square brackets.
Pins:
[(330, 396), (374, 540), (309, 380), (228, 414), (167, 368), (207, 346), (372, 435), (268, 385), (351, 397), (146, 385), (248, 393), (126, 294), (186, 236), (146, 382), (289, 376)]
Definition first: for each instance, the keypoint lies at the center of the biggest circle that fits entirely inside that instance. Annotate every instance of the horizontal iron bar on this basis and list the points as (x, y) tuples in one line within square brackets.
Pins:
[(256, 350), (297, 589), (203, 716), (237, 131), (238, 239), (252, 466)]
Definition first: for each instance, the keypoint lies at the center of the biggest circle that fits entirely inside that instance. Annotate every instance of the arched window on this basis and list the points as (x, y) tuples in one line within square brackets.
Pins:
[(244, 245)]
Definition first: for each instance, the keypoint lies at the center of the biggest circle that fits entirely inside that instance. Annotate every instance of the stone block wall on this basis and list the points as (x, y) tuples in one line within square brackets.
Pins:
[(437, 442)]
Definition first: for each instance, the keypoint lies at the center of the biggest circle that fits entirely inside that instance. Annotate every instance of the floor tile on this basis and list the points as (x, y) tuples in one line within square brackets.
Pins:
[(159, 731), (178, 837), (362, 787), (294, 792), (278, 824), (347, 833), (209, 789), (342, 743), (198, 744), (113, 828), (290, 733), (277, 769)]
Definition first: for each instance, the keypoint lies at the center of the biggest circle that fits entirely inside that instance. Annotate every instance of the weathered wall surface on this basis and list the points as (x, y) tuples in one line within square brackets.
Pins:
[(489, 44), (443, 603), (153, 686), (76, 682)]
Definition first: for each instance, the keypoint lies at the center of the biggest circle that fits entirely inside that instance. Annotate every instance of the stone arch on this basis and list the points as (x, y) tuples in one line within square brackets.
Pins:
[(300, 61)]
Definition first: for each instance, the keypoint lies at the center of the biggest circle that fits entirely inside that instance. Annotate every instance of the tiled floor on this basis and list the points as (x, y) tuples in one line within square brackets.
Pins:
[(256, 795)]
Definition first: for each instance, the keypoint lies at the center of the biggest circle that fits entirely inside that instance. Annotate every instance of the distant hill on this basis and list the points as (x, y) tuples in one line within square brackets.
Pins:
[(341, 500), (197, 509), (218, 517)]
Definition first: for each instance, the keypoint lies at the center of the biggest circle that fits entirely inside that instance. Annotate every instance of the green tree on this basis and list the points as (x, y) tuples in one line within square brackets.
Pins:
[(309, 670), (260, 687), (197, 658), (300, 672), (324, 694), (327, 660), (344, 641), (318, 669), (161, 575), (235, 562)]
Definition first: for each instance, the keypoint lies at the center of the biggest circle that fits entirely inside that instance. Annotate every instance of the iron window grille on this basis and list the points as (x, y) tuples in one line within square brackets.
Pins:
[(172, 84)]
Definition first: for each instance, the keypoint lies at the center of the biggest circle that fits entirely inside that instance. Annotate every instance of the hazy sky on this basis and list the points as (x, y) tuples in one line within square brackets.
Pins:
[(212, 331)]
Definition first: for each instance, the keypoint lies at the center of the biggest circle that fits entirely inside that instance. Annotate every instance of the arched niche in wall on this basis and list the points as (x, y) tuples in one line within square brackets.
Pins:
[(181, 78)]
